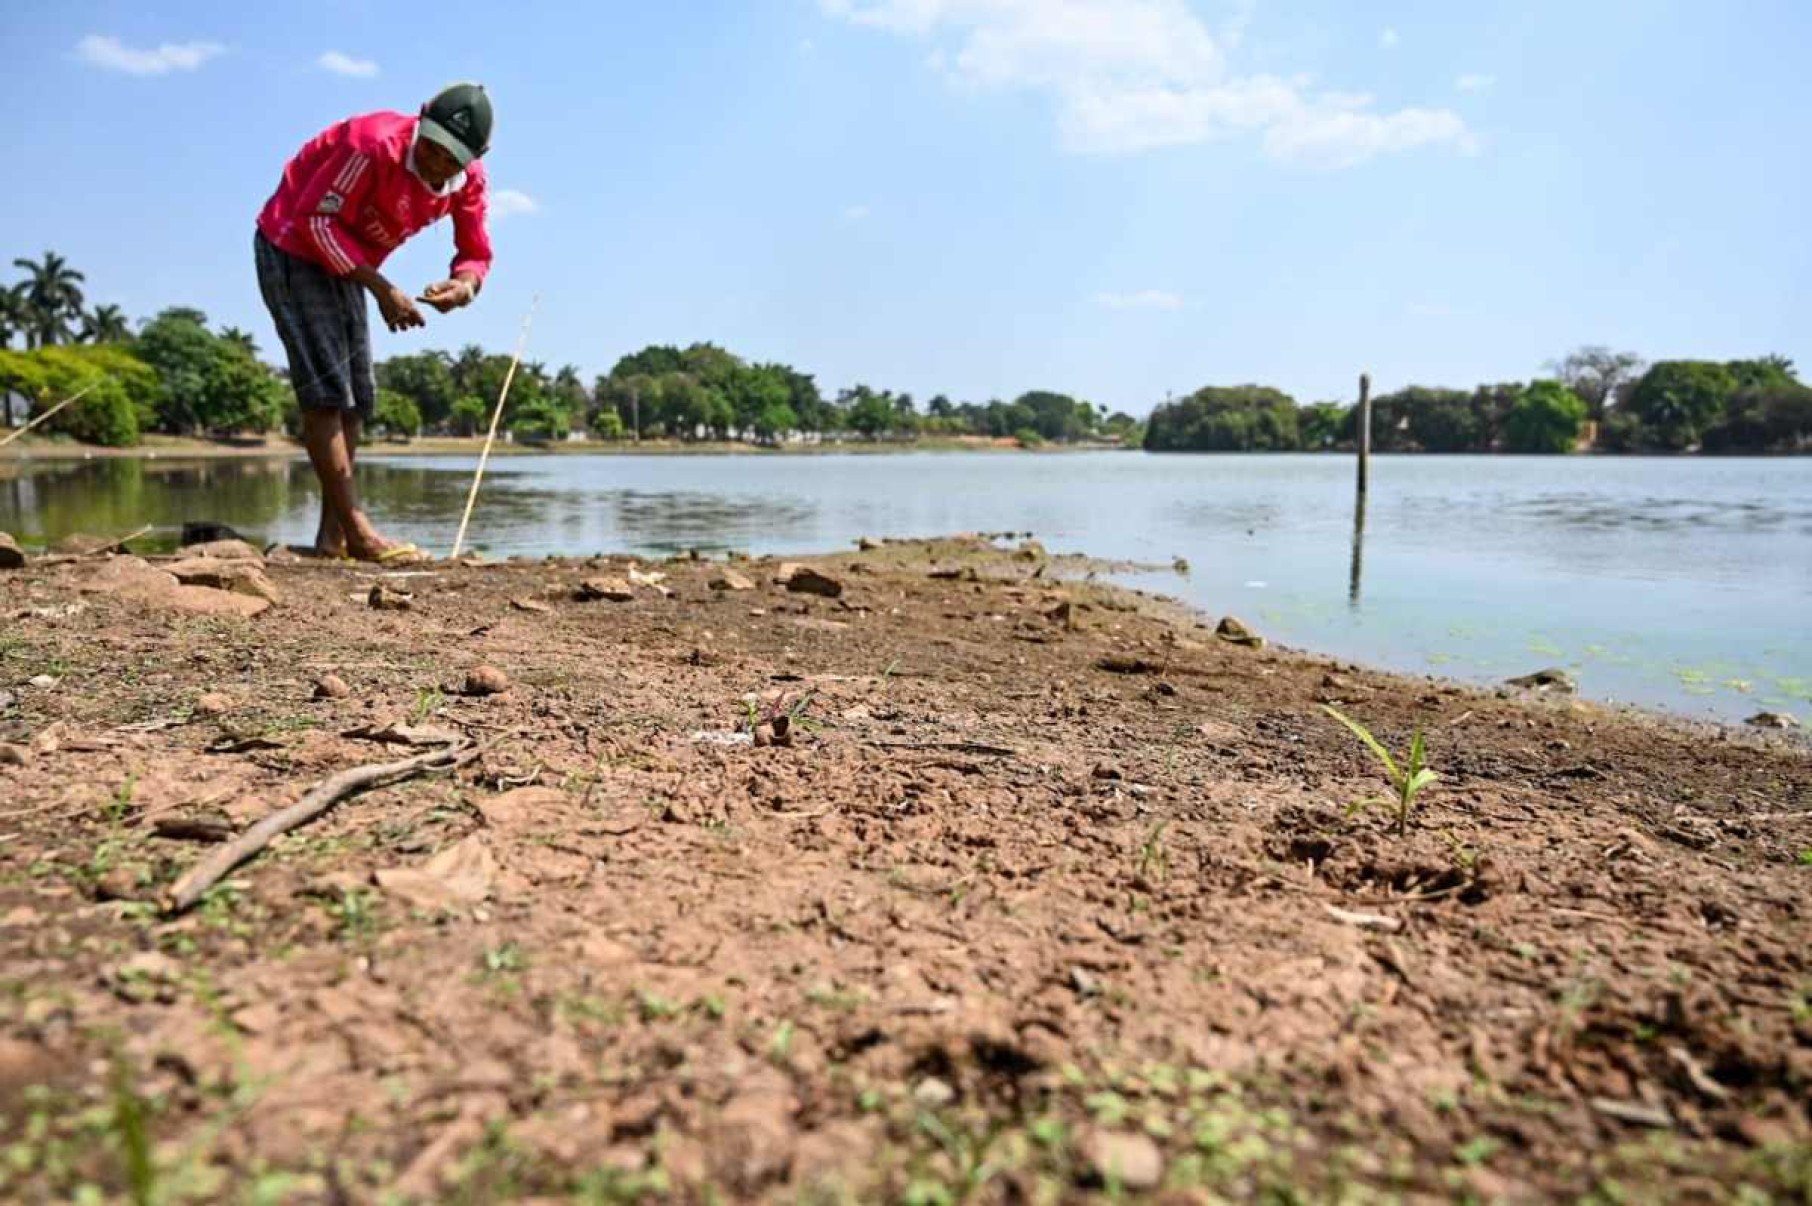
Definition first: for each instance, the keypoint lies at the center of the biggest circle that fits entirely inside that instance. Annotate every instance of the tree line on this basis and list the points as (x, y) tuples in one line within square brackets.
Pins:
[(1595, 398), (704, 392), (180, 376)]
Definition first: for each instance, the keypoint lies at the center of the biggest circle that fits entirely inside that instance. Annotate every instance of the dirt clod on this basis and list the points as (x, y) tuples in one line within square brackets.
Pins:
[(214, 703), (486, 680), (332, 686), (386, 598)]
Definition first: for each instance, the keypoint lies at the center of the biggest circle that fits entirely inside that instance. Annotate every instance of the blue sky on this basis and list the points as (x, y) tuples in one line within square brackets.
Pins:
[(1115, 198)]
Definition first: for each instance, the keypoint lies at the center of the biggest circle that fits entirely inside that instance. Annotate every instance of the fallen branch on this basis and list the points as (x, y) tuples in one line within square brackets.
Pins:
[(322, 797)]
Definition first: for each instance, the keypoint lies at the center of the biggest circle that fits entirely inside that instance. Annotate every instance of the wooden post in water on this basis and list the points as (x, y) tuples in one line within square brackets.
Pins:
[(1355, 571)]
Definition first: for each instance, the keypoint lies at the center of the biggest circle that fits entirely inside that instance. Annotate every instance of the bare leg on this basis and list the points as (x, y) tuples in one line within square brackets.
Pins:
[(330, 537), (332, 440)]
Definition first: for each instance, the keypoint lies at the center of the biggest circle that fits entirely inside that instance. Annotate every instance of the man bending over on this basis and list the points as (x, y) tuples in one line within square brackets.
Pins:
[(349, 197)]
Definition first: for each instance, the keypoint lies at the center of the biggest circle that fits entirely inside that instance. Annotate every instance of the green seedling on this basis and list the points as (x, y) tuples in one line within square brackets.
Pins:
[(428, 701), (1154, 862), (1406, 780)]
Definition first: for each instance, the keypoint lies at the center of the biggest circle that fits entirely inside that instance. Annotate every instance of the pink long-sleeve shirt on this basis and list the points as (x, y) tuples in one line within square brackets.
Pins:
[(350, 197)]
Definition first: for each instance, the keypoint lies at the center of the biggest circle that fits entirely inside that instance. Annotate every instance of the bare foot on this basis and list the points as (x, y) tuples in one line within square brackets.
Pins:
[(330, 540)]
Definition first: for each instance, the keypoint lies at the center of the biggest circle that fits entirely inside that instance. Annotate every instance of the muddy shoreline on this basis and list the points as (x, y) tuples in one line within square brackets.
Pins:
[(1043, 892)]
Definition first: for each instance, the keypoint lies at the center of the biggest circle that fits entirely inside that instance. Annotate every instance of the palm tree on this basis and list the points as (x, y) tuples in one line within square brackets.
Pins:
[(106, 324), (12, 314), (242, 339), (53, 297)]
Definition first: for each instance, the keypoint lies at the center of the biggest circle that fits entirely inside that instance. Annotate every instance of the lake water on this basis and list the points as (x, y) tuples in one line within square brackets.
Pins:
[(1678, 584)]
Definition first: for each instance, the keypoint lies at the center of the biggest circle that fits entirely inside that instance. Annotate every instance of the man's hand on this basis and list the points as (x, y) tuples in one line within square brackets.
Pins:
[(398, 308), (449, 295)]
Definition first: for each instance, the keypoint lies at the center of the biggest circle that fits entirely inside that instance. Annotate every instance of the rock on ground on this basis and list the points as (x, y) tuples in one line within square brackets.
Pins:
[(136, 579), (224, 550), (1127, 1159), (808, 580), (1551, 680), (238, 577), (11, 555), (611, 590), (729, 579), (1234, 631)]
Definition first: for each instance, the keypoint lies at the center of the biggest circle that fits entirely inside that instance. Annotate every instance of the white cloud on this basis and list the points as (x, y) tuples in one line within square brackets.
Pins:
[(1144, 299), (1388, 39), (507, 202), (111, 54), (1131, 75), (344, 64), (807, 46), (855, 213), (1472, 81)]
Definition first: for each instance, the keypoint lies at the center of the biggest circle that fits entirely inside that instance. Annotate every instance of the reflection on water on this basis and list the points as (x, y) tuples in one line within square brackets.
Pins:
[(1678, 583)]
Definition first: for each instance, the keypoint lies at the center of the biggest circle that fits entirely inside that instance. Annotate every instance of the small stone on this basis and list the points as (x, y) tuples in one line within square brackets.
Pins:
[(1773, 720), (1063, 614), (729, 579), (42, 682), (11, 555), (1031, 550), (1128, 1160), (535, 606), (6, 700), (214, 703), (804, 580), (121, 883), (1084, 982), (612, 590), (14, 755), (331, 686), (1233, 630), (1106, 770), (224, 550), (867, 544), (383, 598), (196, 825), (486, 680), (1552, 680), (932, 1093)]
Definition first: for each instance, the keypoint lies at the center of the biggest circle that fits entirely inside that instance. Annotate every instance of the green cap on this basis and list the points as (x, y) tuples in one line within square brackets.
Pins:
[(459, 120)]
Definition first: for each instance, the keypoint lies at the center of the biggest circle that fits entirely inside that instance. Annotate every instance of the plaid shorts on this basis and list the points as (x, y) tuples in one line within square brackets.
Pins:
[(322, 322)]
